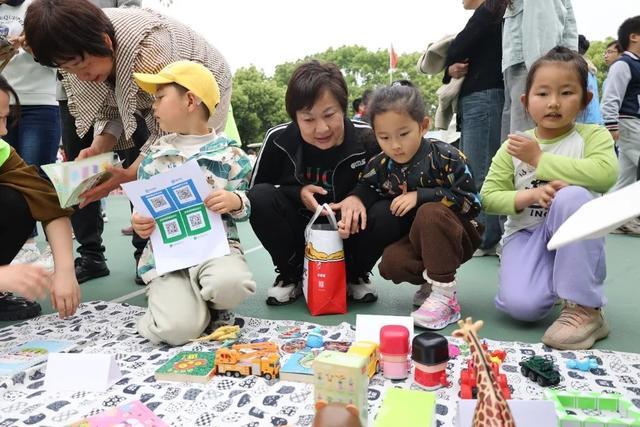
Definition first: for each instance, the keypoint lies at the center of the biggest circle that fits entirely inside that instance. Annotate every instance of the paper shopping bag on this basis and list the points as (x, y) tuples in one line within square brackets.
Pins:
[(325, 276)]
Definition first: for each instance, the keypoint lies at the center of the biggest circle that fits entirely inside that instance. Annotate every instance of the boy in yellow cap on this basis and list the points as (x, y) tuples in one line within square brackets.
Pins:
[(184, 302)]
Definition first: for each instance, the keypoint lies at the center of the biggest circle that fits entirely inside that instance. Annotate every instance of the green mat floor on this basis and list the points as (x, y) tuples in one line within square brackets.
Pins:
[(477, 286)]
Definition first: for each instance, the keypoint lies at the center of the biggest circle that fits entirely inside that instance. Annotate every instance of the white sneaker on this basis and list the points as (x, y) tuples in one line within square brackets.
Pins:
[(284, 291), (422, 294), (485, 252), (438, 311), (105, 218), (362, 290), (46, 260), (28, 253)]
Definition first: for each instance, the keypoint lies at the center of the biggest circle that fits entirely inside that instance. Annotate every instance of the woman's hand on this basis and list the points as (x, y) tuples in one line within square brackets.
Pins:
[(142, 225), (353, 216), (458, 70), (308, 196)]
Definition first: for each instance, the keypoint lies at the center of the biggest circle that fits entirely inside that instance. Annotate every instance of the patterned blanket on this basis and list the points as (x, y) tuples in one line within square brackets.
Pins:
[(101, 327)]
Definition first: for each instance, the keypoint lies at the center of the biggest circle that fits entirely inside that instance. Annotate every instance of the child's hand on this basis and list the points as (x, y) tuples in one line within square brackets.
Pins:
[(223, 201), (30, 281), (524, 148), (65, 293), (142, 225), (615, 134), (352, 212), (403, 203), (547, 193)]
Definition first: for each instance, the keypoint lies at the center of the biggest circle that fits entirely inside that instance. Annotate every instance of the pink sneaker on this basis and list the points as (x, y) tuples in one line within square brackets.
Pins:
[(437, 311)]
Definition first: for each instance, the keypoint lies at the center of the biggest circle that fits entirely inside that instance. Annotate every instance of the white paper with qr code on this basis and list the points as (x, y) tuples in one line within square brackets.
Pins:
[(186, 233)]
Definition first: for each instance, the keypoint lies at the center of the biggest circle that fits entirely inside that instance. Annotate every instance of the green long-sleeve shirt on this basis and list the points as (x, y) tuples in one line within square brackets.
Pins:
[(584, 156)]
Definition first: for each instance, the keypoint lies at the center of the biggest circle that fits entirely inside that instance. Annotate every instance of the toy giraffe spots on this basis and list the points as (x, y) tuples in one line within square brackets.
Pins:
[(492, 409)]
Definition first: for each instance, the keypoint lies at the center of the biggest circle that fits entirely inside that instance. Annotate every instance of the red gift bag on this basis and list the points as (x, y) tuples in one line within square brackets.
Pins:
[(325, 275)]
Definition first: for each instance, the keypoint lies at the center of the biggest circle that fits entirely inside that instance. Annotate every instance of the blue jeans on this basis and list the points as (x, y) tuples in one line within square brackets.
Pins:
[(480, 116), (36, 136)]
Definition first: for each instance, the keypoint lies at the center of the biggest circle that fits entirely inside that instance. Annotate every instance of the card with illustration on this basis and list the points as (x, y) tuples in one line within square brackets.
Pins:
[(71, 179), (29, 354), (187, 233), (133, 413), (298, 366), (188, 366)]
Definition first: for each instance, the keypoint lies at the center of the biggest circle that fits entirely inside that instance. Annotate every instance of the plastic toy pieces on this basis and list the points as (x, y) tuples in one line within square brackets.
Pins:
[(394, 352), (585, 364), (468, 386), (430, 354), (619, 411), (223, 333), (491, 408), (541, 370)]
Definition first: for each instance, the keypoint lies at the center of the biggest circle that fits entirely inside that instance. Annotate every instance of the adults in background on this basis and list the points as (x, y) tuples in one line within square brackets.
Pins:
[(97, 51), (475, 54), (530, 30), (314, 159)]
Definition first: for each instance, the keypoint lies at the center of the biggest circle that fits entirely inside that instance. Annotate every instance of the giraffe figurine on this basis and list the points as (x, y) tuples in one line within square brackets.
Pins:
[(491, 409)]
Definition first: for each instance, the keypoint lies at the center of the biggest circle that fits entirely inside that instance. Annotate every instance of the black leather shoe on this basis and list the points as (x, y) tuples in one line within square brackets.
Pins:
[(17, 308), (90, 268)]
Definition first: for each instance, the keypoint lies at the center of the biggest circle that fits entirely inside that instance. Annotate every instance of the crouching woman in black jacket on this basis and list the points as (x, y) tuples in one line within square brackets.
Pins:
[(312, 160)]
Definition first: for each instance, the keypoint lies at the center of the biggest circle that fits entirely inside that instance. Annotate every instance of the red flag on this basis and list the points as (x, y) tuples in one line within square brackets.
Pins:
[(393, 59)]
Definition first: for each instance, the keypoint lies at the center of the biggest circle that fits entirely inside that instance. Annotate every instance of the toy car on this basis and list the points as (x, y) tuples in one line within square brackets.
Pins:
[(541, 370)]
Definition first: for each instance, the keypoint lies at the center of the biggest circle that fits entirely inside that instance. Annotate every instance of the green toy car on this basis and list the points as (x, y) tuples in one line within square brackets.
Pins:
[(540, 370)]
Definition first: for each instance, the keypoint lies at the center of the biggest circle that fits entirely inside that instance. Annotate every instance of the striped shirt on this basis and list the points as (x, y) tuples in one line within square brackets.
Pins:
[(146, 42)]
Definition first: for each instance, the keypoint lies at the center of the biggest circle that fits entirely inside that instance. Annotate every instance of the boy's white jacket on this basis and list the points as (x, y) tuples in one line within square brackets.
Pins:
[(224, 165)]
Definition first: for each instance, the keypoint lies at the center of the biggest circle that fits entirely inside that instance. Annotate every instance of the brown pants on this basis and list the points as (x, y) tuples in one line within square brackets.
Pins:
[(439, 242)]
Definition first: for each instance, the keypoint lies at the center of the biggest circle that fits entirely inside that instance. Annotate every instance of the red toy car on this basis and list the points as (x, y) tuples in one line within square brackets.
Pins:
[(468, 386)]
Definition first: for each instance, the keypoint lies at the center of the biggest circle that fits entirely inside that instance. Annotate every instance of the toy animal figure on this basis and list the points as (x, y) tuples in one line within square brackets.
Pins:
[(221, 334), (491, 409), (336, 415)]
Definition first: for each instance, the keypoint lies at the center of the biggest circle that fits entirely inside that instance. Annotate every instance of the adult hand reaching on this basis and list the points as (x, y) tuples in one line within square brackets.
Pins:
[(119, 175), (307, 195)]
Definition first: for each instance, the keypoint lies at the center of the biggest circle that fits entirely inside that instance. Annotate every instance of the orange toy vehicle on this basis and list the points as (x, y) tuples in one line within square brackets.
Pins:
[(260, 359)]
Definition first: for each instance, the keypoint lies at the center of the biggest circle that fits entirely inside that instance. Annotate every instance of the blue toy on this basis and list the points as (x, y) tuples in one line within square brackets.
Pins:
[(314, 339), (582, 364)]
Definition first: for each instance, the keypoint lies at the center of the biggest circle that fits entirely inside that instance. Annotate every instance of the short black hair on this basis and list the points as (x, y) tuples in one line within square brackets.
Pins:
[(628, 27), (563, 55), (399, 99), (356, 104), (308, 82), (583, 44), (61, 30), (615, 44)]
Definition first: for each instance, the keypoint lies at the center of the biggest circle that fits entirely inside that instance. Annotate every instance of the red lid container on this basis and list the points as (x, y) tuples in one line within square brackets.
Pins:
[(394, 339)]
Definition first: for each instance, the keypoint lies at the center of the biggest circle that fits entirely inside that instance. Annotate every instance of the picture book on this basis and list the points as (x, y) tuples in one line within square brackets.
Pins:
[(298, 366), (71, 179), (188, 366), (29, 354), (130, 414)]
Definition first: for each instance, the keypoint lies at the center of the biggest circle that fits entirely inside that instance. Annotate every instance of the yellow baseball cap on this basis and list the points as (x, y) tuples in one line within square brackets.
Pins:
[(188, 74)]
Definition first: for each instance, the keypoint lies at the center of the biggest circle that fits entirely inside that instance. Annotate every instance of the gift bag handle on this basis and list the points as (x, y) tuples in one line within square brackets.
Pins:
[(319, 209)]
